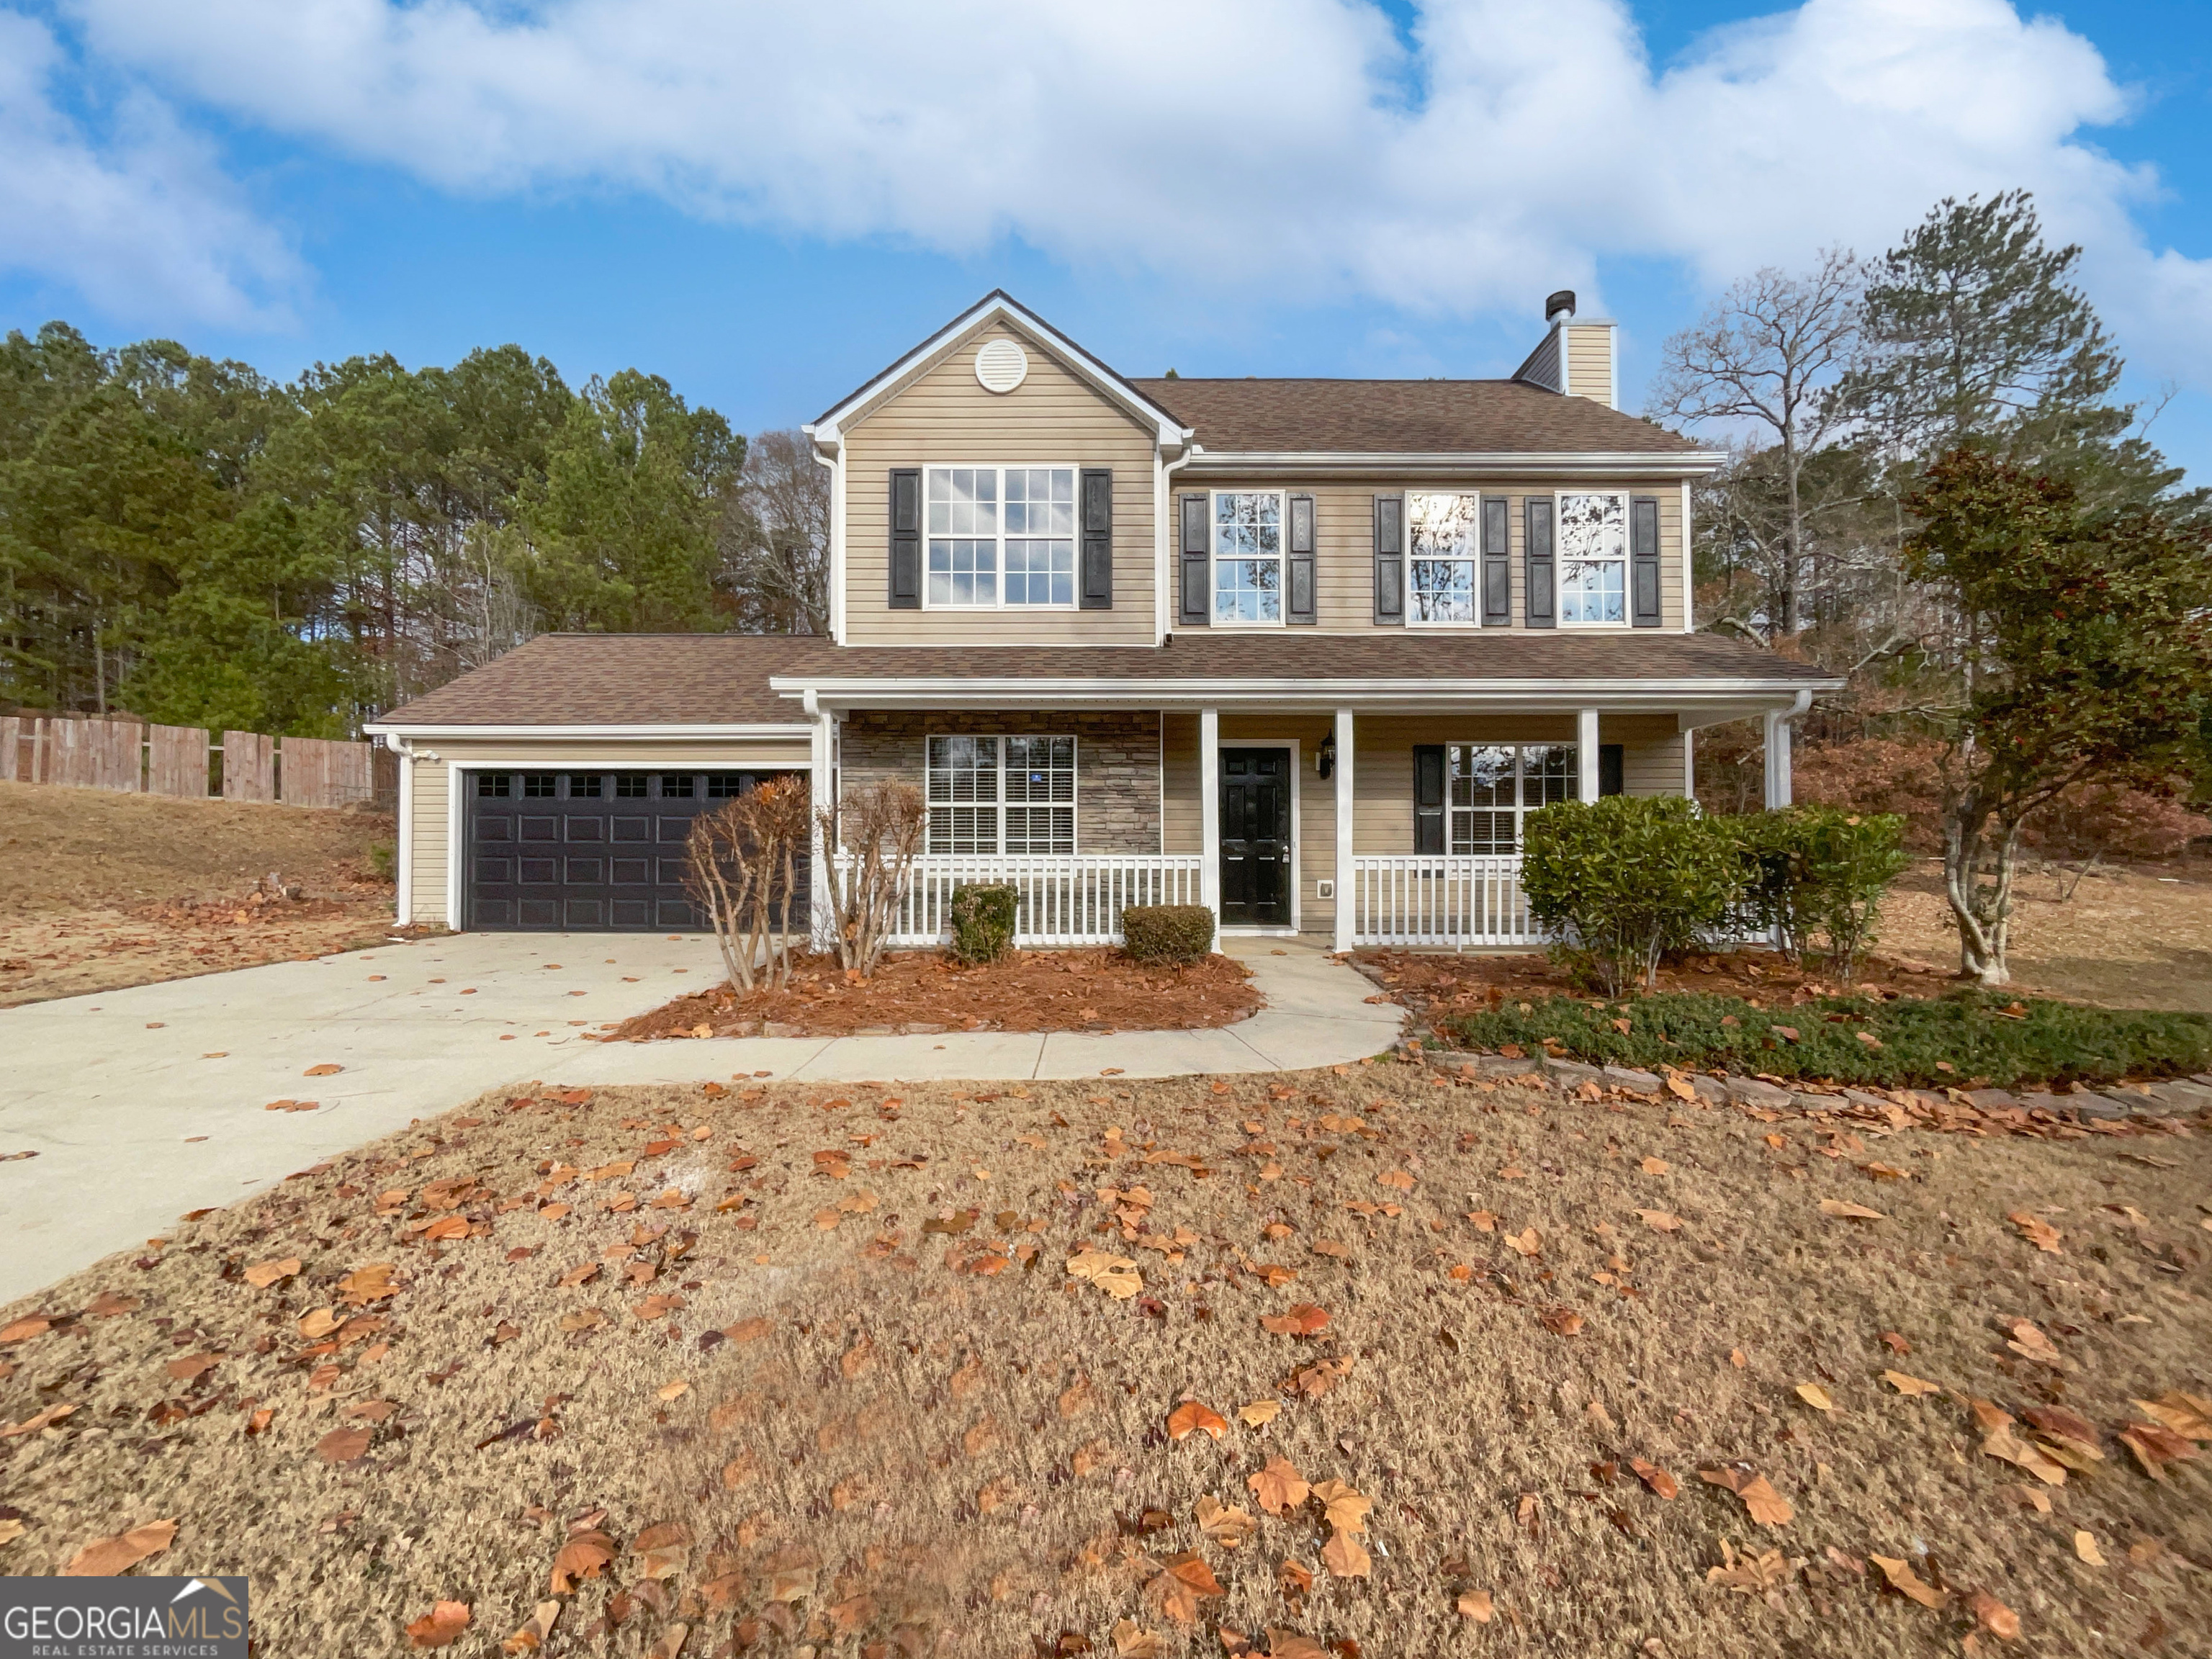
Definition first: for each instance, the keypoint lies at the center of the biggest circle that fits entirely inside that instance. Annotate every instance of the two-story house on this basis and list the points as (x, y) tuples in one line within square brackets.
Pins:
[(1306, 651)]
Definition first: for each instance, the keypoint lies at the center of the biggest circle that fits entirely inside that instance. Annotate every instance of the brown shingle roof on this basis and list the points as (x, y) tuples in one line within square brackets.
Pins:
[(722, 679), (1392, 418), (623, 679)]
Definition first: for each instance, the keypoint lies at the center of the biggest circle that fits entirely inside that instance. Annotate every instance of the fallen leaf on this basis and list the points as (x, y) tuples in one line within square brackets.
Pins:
[(1116, 1275), (443, 1625), (1397, 1178), (325, 1070), (1302, 1320), (1259, 1411), (1191, 1418), (262, 1274), (2085, 1546), (1289, 1644), (1344, 1556), (106, 1558), (23, 1330), (673, 1390), (1654, 1166), (532, 1637), (1279, 1486), (1561, 1320), (36, 1422), (2031, 1343), (1227, 1527), (108, 1306), (1662, 1484), (1181, 1580), (1528, 1242), (1475, 1605), (1905, 1582), (343, 1445), (1836, 1206), (1660, 1221), (2155, 1446), (10, 1531), (747, 1330), (1749, 1574), (188, 1366), (585, 1555), (2186, 1414), (1910, 1385), (1347, 1509), (1767, 1506), (2003, 1442), (2037, 1231), (1994, 1616), (1815, 1396), (1131, 1642)]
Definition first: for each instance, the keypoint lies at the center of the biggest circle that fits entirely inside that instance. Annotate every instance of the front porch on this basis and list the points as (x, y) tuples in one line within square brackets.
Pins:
[(1348, 827)]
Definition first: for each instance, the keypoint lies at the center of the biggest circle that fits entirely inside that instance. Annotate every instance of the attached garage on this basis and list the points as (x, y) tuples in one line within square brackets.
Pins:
[(588, 849)]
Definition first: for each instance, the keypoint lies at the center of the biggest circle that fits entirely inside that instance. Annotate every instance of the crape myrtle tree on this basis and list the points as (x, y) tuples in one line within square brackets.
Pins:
[(2083, 652)]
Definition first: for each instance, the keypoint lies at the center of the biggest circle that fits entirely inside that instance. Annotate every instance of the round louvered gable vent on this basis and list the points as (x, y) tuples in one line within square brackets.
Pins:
[(1001, 366)]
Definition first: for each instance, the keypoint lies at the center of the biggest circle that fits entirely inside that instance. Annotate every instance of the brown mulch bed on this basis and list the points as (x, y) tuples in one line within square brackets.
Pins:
[(1358, 1361), (1434, 984), (926, 992)]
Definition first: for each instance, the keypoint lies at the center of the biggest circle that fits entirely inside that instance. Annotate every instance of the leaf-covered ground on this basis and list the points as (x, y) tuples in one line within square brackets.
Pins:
[(1356, 1359)]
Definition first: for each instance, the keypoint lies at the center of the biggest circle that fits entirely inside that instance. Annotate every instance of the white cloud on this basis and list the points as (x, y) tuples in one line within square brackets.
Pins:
[(142, 224), (1289, 149)]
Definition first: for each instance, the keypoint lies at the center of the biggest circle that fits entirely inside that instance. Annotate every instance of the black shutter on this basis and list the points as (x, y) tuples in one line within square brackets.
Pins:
[(1390, 559), (1301, 607), (1428, 797), (906, 538), (1643, 558), (1611, 775), (1542, 585), (1097, 504), (1196, 608), (1496, 565)]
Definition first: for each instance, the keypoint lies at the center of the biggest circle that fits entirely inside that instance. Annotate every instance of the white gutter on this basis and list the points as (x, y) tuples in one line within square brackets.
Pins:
[(383, 729), (1622, 465)]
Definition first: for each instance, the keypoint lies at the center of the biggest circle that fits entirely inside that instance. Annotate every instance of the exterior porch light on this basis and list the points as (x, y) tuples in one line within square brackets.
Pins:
[(1325, 757)]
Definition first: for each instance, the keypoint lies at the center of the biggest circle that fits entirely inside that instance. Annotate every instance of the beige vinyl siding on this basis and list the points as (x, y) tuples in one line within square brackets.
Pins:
[(432, 785), (1589, 361), (943, 416), (1343, 532), (1651, 748)]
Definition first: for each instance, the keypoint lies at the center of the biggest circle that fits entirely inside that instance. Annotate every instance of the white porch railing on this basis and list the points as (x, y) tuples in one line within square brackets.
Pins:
[(1065, 900), (1429, 899)]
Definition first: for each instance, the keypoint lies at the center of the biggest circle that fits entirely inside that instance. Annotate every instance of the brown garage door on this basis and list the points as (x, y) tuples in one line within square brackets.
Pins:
[(590, 852)]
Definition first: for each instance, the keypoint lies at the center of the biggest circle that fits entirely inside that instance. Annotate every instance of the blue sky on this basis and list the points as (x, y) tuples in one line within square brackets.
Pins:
[(766, 209)]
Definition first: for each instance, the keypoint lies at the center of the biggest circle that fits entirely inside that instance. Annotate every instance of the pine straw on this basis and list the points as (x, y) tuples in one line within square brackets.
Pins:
[(897, 1442)]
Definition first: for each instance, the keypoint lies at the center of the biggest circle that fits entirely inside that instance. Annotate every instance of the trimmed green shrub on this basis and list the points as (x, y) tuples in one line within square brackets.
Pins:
[(1978, 1036), (1818, 870), (384, 859), (1167, 932), (983, 919), (1620, 881)]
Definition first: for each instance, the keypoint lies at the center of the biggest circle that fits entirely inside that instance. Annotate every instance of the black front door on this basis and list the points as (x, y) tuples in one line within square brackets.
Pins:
[(1255, 838)]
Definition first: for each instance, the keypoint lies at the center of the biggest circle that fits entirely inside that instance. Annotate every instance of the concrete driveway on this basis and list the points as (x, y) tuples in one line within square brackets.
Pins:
[(147, 1102)]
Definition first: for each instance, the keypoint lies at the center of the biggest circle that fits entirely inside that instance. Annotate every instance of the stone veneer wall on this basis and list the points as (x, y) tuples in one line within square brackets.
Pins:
[(1117, 763)]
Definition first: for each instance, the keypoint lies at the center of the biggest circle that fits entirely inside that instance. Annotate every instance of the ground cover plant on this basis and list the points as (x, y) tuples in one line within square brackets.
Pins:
[(1372, 1360), (928, 991), (1964, 1036)]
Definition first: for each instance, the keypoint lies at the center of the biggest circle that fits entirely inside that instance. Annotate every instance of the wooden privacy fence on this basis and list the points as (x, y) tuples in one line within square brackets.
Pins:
[(181, 761)]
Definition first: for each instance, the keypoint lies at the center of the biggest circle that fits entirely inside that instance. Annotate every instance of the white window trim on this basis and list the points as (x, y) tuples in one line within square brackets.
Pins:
[(1282, 561), (1074, 802), (1002, 468), (1520, 813), (1473, 559), (1627, 500)]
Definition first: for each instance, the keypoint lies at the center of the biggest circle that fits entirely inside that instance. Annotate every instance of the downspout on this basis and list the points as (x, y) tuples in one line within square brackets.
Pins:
[(403, 860), (1166, 566)]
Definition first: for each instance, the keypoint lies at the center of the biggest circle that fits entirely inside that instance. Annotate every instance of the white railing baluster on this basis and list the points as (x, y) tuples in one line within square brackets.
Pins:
[(1427, 899), (1064, 900)]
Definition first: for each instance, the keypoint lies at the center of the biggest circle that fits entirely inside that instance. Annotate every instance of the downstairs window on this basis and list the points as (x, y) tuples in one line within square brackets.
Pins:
[(993, 795)]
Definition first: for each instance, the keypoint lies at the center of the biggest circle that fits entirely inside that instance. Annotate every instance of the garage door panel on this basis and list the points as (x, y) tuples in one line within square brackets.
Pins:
[(628, 867)]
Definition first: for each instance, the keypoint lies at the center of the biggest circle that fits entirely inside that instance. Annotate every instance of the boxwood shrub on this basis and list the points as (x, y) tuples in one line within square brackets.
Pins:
[(1977, 1035), (1167, 932), (983, 919)]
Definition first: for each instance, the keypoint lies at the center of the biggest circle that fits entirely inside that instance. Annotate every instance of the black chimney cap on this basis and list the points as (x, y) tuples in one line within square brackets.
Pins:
[(1556, 303)]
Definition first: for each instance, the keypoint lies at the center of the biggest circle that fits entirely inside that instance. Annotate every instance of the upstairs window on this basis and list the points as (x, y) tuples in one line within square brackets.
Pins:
[(1494, 788), (1248, 557), (992, 795), (1000, 537), (1593, 559), (1440, 545)]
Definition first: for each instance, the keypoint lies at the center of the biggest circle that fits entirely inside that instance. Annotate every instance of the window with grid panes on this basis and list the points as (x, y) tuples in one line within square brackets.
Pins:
[(992, 795), (1494, 788)]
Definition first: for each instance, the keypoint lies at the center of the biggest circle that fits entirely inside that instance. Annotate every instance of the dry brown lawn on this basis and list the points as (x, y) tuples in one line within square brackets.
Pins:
[(2127, 938), (805, 1371), (102, 890)]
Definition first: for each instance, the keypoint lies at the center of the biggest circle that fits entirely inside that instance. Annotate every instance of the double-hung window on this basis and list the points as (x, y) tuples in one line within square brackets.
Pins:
[(1494, 788), (1593, 558), (1247, 556), (992, 795), (1000, 537), (1440, 545)]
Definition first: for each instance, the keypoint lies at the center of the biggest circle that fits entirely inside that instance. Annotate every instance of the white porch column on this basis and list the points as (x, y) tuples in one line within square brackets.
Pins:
[(1209, 815), (821, 777), (1586, 754), (1345, 882), (1777, 758)]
